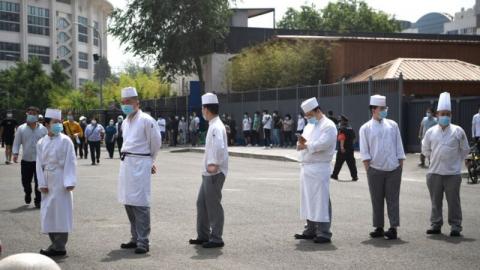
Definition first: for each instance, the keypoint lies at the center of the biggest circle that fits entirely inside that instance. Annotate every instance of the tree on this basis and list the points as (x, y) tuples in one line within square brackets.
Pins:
[(176, 32), (102, 70), (342, 16)]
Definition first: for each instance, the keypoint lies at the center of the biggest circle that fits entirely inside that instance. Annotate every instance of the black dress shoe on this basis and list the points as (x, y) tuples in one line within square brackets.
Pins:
[(455, 234), (377, 233), (28, 198), (334, 177), (355, 179), (98, 161), (197, 241), (303, 236), (93, 163), (321, 240), (434, 231), (37, 205), (142, 250), (391, 234), (52, 253), (212, 245), (128, 245)]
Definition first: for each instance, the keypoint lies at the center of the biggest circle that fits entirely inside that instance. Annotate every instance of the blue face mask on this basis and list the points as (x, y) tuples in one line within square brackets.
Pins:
[(444, 120), (383, 114), (32, 118), (127, 109), (56, 128), (312, 120)]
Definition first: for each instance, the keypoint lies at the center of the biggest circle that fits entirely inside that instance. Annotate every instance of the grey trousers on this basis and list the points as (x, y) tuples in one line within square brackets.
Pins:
[(450, 185), (210, 217), (385, 186), (59, 241), (139, 217), (320, 229)]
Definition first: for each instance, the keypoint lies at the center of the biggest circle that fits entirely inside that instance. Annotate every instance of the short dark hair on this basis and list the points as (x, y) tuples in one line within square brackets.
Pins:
[(33, 108), (372, 107), (317, 109), (265, 111), (330, 112), (70, 112), (213, 108), (47, 120)]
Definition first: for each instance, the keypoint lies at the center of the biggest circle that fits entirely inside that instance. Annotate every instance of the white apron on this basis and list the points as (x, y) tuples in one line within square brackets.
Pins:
[(56, 210), (315, 191), (135, 180)]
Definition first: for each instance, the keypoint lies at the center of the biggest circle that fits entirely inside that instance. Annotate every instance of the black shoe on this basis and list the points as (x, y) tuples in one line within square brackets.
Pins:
[(128, 245), (391, 234), (303, 236), (37, 205), (434, 231), (28, 198), (355, 179), (212, 245), (98, 160), (377, 233), (197, 241), (455, 234), (93, 163), (52, 253), (142, 250), (334, 177), (321, 240)]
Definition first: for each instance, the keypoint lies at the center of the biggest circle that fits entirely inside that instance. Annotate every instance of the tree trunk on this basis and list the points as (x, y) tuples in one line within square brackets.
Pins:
[(198, 66)]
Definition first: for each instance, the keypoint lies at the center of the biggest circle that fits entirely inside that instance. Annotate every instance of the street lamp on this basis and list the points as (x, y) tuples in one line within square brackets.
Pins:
[(96, 60)]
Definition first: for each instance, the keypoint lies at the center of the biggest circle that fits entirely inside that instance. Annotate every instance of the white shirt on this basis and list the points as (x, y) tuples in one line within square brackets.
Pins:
[(300, 124), (247, 124), (162, 124), (381, 143), (141, 135), (216, 147), (476, 125), (321, 142), (447, 149), (28, 138), (267, 121)]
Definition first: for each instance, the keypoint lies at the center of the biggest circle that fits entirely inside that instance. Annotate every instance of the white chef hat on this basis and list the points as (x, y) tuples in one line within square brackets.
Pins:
[(209, 98), (53, 114), (378, 100), (309, 104), (82, 118), (28, 261), (444, 103), (129, 92)]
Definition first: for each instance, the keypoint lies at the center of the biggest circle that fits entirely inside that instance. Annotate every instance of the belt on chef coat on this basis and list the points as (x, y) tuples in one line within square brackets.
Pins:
[(124, 154)]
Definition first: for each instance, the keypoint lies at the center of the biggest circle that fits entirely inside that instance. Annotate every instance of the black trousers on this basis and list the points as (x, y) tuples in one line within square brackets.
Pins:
[(110, 148), (287, 138), (28, 171), (119, 145), (83, 148), (94, 151), (350, 159), (267, 139)]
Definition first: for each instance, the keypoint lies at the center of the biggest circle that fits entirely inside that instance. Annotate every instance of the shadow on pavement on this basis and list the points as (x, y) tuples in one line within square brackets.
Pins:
[(21, 209), (384, 243), (206, 253), (123, 254), (309, 246), (452, 240)]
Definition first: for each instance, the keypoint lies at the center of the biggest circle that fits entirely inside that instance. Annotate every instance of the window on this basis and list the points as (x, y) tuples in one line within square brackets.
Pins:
[(38, 21), (62, 23), (83, 60), (63, 51), (9, 51), (96, 34), (82, 81), (82, 29), (41, 52), (62, 37), (68, 2), (9, 16)]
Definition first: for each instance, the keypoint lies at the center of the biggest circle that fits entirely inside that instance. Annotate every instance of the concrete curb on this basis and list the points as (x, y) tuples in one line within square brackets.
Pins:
[(237, 154)]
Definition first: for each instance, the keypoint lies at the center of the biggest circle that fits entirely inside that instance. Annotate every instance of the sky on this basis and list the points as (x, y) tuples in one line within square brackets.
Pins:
[(410, 10)]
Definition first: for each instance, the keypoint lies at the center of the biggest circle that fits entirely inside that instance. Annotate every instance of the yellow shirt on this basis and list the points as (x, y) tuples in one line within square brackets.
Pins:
[(71, 128)]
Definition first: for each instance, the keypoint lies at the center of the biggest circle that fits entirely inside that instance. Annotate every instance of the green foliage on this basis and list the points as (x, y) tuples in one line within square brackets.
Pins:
[(176, 32), (342, 16), (279, 64)]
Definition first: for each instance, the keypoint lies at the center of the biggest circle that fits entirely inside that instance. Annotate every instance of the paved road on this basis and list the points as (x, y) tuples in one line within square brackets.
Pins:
[(261, 201)]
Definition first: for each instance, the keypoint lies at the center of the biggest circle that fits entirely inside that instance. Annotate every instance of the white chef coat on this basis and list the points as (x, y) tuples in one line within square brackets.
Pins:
[(216, 147), (476, 125), (300, 124), (141, 135), (247, 124), (316, 170), (267, 121), (447, 149), (381, 143), (28, 139), (56, 170)]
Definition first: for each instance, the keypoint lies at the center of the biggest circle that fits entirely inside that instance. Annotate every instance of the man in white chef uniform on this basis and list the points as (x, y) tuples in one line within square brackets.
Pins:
[(317, 145), (447, 146), (210, 217), (382, 153), (141, 143), (56, 171)]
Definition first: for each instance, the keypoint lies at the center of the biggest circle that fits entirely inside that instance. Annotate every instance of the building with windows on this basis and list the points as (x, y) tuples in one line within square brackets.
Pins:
[(430, 23), (72, 32), (465, 22)]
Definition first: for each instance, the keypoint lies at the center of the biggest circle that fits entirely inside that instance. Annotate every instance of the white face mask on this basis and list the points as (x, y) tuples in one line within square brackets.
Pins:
[(94, 122)]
